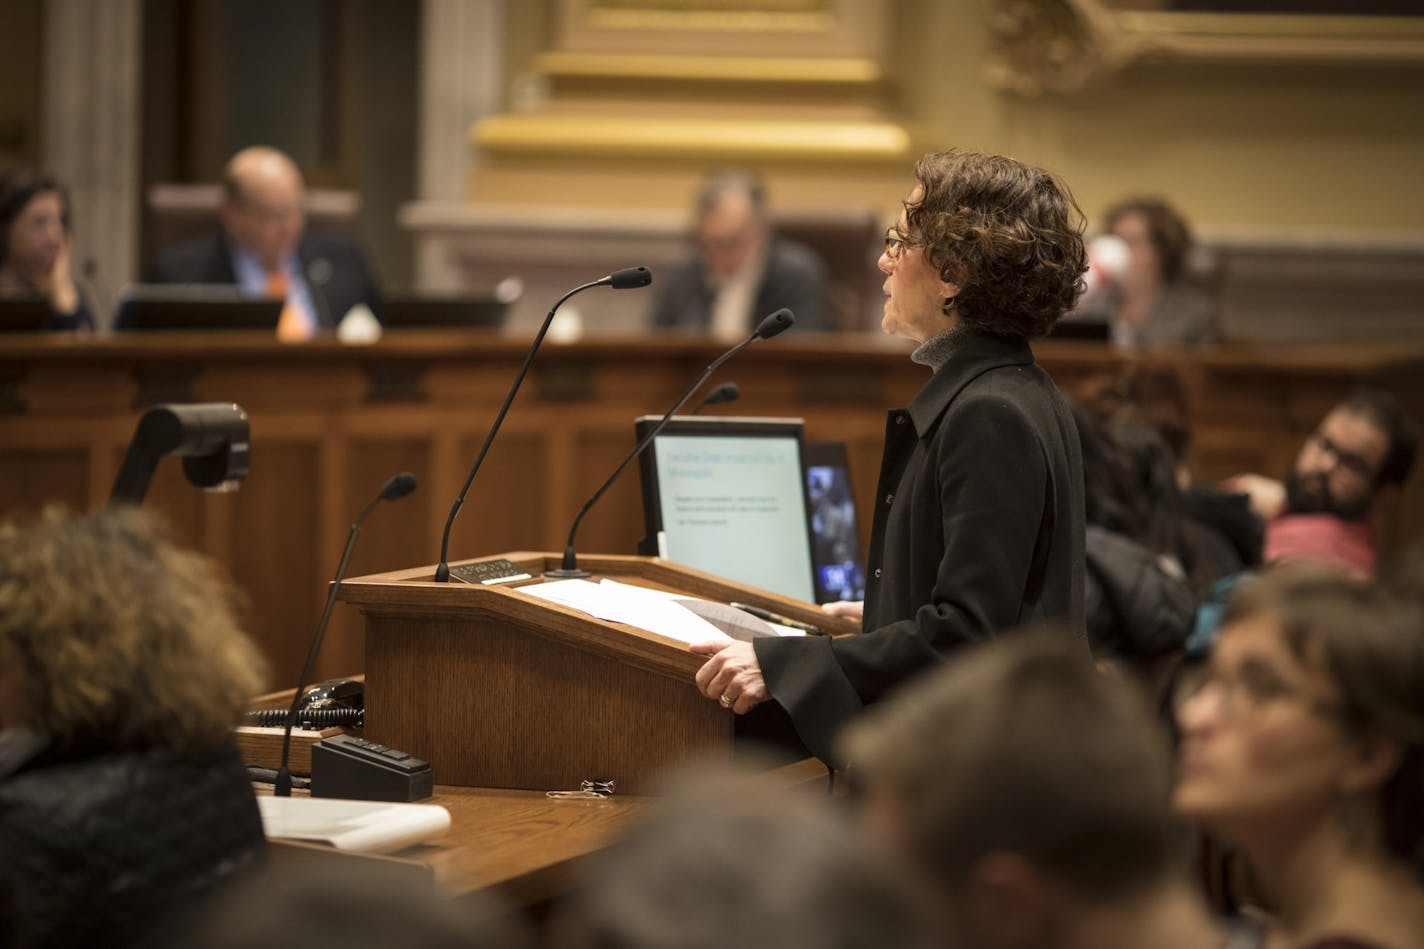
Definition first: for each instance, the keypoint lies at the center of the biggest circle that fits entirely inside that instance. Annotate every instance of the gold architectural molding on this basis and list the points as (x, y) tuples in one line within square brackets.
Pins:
[(736, 16), (1042, 46), (837, 71), (698, 140)]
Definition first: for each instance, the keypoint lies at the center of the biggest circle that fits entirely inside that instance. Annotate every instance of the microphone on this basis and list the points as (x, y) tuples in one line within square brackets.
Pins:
[(318, 274), (397, 487), (629, 278), (778, 322), (726, 392)]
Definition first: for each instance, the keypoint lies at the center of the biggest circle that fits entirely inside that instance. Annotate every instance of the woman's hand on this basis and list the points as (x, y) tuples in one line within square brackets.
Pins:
[(732, 676), (57, 286), (850, 609)]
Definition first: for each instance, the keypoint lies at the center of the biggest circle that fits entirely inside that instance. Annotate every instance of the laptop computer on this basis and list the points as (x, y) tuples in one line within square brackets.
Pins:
[(413, 311), (23, 314), (194, 307)]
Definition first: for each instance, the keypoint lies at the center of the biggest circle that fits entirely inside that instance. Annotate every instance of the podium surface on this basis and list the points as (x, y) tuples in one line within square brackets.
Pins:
[(496, 688)]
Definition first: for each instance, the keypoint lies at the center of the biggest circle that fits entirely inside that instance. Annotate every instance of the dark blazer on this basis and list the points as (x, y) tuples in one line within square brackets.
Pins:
[(335, 268), (100, 848), (978, 528), (794, 277)]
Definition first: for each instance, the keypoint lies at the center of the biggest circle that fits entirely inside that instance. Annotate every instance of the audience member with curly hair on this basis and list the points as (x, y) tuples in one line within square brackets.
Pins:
[(122, 672), (1304, 746), (980, 522), (1148, 300)]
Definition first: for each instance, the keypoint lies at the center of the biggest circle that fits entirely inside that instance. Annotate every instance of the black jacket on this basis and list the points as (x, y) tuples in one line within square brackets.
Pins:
[(1137, 609), (978, 528), (100, 849), (334, 266)]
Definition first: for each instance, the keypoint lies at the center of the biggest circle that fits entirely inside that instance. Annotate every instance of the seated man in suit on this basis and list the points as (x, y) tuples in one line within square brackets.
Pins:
[(741, 271), (263, 247)]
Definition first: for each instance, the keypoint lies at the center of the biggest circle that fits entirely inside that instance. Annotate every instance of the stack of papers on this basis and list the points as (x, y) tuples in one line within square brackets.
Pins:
[(364, 826), (673, 615)]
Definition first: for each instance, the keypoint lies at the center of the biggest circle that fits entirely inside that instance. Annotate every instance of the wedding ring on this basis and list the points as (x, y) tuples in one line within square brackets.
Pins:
[(725, 701)]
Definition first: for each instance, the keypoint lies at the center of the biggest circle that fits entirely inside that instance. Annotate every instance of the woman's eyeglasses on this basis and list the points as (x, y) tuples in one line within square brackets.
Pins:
[(895, 242), (1247, 691)]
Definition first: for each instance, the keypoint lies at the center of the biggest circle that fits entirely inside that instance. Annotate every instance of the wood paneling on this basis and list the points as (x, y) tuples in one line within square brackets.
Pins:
[(330, 423)]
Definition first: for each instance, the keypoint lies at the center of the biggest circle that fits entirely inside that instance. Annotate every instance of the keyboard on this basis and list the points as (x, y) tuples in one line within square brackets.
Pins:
[(489, 571)]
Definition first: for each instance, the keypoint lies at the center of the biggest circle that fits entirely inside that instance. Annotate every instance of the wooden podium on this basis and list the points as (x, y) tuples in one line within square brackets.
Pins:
[(499, 689)]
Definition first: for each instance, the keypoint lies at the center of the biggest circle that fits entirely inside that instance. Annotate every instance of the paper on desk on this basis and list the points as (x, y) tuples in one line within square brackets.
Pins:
[(674, 615), (367, 826)]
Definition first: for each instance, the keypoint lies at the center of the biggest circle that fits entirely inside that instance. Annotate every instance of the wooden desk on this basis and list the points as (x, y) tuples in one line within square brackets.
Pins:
[(330, 423), (525, 848)]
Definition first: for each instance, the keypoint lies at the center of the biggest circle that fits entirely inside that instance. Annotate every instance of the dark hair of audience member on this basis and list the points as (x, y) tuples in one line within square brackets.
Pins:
[(18, 189), (125, 641), (1384, 412), (727, 861), (1369, 639), (1021, 745), (1168, 230)]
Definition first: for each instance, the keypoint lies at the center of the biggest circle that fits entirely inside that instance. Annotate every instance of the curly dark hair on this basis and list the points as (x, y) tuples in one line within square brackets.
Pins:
[(123, 639), (1011, 237), (1167, 229)]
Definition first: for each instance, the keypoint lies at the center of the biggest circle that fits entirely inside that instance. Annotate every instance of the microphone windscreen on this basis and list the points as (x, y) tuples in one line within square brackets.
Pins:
[(778, 322), (398, 486), (726, 392), (629, 278)]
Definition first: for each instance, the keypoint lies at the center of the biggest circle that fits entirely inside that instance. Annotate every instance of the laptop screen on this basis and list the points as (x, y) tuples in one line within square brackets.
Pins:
[(727, 495), (835, 536)]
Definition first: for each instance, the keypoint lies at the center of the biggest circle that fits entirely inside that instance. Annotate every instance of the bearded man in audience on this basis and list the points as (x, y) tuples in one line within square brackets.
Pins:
[(1359, 456)]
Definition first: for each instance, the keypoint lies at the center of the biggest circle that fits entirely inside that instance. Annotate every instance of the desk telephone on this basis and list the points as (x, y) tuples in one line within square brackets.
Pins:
[(334, 702)]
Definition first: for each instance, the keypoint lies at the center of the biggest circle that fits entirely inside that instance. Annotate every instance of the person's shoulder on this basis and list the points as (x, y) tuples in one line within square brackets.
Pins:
[(190, 260), (794, 255), (324, 243)]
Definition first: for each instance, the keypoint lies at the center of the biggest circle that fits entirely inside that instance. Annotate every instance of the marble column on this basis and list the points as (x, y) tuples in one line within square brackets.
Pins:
[(92, 121)]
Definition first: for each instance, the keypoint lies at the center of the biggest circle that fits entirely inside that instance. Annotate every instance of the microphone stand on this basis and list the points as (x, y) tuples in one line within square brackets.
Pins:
[(397, 487), (631, 277), (568, 567)]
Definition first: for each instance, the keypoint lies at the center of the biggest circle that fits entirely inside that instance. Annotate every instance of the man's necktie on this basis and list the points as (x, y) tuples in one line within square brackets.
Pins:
[(292, 326)]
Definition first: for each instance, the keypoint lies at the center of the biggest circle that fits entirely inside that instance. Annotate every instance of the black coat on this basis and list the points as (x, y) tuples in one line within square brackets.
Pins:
[(335, 268), (978, 528), (99, 849)]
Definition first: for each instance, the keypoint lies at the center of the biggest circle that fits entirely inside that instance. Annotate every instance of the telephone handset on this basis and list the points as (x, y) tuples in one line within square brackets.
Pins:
[(328, 703)]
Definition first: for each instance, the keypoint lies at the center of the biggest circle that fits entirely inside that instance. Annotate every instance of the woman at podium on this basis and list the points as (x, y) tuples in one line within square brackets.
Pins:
[(978, 525)]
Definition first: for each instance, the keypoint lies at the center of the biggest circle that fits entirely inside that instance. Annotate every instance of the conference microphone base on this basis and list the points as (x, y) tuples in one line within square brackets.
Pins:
[(567, 573)]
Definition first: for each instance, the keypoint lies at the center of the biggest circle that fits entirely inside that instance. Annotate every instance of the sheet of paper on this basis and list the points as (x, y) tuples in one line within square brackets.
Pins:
[(653, 610)]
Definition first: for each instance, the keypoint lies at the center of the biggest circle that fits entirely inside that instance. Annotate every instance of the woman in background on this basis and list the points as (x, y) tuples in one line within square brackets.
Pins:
[(1144, 295), (122, 674), (34, 248), (1304, 745)]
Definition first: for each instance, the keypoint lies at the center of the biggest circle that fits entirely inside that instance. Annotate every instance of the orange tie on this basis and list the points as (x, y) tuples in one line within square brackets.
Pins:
[(291, 328)]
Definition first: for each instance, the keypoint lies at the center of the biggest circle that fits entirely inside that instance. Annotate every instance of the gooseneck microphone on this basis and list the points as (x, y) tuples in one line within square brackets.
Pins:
[(778, 322), (629, 278), (397, 487), (726, 392)]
